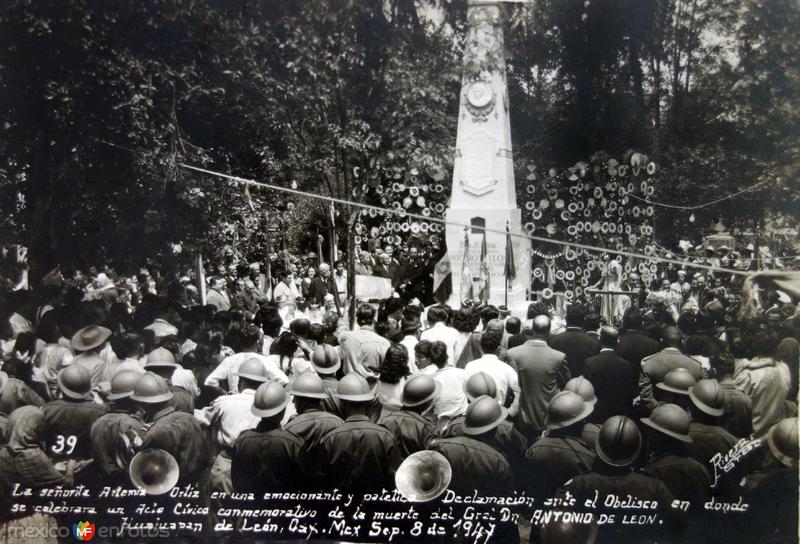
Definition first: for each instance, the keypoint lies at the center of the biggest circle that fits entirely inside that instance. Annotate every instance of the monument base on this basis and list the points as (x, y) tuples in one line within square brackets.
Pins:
[(494, 220)]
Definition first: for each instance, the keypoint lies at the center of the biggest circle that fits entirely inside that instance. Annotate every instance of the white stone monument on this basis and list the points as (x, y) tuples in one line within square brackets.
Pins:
[(483, 176)]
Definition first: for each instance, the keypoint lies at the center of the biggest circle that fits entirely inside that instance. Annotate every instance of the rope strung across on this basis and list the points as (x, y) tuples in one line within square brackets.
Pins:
[(421, 217)]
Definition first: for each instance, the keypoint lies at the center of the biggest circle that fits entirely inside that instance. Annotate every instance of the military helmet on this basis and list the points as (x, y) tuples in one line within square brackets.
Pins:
[(308, 385), (252, 369), (583, 387), (75, 382), (782, 441), (325, 359), (671, 420), (354, 387), (123, 384), (480, 384), (677, 381), (483, 415), (565, 409), (420, 389), (706, 395), (619, 441), (151, 389), (270, 399)]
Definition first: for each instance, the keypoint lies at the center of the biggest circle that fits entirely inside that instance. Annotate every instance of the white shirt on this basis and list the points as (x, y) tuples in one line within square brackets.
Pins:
[(504, 377), (409, 342), (442, 333), (229, 366), (230, 415), (452, 400)]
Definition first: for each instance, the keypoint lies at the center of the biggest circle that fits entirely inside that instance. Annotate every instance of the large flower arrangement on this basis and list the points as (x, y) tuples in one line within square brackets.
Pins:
[(595, 204), (416, 189)]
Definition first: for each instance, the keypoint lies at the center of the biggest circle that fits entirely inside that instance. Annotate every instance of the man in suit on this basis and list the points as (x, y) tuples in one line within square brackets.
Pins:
[(574, 342), (656, 366), (322, 285), (542, 373), (611, 377), (634, 345)]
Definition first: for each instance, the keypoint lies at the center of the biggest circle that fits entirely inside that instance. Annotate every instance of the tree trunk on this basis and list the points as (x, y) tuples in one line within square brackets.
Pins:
[(41, 227)]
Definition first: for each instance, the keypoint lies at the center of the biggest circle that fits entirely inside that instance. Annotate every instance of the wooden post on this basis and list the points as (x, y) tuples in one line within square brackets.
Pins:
[(201, 279)]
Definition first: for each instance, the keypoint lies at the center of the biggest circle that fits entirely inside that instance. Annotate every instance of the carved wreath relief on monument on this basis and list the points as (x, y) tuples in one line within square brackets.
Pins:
[(480, 100)]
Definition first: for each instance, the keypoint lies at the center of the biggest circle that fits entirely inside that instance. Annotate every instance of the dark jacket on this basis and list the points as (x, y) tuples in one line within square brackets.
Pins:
[(360, 456), (65, 419), (633, 346), (179, 434), (685, 477), (738, 417), (476, 466), (577, 346), (612, 379), (412, 432), (106, 436), (552, 461), (311, 427), (270, 459)]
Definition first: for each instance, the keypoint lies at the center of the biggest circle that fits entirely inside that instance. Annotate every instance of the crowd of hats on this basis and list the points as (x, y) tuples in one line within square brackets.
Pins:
[(590, 203)]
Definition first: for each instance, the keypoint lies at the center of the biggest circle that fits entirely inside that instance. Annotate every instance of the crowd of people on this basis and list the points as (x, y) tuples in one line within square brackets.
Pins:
[(267, 388)]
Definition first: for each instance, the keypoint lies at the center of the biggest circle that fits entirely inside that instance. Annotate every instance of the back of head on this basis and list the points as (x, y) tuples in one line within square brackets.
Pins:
[(250, 335), (592, 321), (540, 328), (394, 365), (492, 338), (513, 325), (438, 354), (632, 319), (436, 314), (300, 327), (609, 337), (488, 313), (365, 315), (671, 337), (575, 315), (536, 308)]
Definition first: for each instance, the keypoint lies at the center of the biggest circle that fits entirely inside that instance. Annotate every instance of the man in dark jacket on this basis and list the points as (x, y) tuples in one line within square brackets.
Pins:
[(412, 426), (611, 377), (655, 367), (268, 458), (574, 342), (358, 456), (634, 345)]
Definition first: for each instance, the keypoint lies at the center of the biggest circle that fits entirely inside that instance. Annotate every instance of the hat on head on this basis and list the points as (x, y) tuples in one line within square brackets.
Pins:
[(670, 419), (123, 384), (252, 369), (567, 408), (308, 385), (677, 381), (75, 382), (160, 357), (619, 441), (90, 337), (707, 397), (480, 384), (420, 389), (325, 359), (270, 399), (151, 389), (354, 388), (483, 415)]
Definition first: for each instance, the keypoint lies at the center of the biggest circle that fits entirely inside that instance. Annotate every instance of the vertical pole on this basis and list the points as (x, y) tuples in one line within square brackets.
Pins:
[(201, 279)]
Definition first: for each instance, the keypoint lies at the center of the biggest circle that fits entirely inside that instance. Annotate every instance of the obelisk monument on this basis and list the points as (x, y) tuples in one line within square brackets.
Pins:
[(483, 192)]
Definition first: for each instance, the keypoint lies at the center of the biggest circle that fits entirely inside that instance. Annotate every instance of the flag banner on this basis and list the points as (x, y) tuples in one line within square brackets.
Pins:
[(485, 274), (511, 269), (466, 273), (442, 279)]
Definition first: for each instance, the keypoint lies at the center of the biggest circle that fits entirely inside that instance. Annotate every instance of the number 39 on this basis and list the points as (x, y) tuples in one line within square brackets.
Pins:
[(64, 445)]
